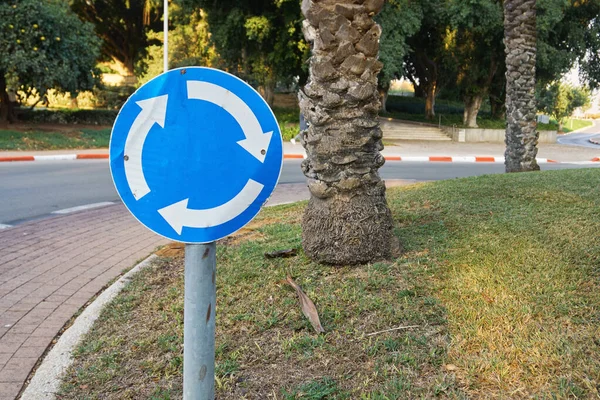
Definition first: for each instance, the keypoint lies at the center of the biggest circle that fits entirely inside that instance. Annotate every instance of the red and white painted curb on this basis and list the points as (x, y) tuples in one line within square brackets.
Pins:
[(56, 157), (460, 159)]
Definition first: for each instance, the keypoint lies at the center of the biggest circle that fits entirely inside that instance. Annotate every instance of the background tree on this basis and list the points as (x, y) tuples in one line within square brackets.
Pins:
[(44, 46), (189, 44), (347, 220), (399, 20), (427, 64), (260, 41), (458, 51), (122, 25), (475, 43), (568, 35), (520, 42), (560, 100)]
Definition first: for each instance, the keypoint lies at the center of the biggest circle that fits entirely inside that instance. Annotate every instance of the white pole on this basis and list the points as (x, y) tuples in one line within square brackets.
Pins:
[(166, 35)]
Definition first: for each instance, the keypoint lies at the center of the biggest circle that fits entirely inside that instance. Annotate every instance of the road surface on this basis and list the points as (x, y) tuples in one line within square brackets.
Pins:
[(582, 138), (37, 189)]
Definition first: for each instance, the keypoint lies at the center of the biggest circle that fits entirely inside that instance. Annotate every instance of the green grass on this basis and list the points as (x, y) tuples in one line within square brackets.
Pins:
[(36, 140), (501, 275), (288, 119), (573, 124), (325, 388)]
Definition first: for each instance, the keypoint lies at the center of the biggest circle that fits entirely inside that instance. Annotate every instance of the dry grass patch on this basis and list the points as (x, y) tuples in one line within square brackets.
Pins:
[(265, 346)]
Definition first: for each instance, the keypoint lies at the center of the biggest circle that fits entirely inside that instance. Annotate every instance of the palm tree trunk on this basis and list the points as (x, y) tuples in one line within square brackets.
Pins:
[(520, 41), (347, 220)]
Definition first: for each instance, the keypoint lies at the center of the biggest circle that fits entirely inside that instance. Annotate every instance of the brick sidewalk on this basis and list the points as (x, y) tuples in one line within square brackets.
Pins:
[(49, 269)]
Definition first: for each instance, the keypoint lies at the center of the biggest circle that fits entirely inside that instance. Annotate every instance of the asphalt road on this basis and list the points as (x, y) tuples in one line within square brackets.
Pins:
[(582, 138), (35, 190)]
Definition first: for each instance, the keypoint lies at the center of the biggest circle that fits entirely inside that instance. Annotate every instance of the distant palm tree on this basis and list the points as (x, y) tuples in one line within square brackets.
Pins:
[(520, 47), (347, 220)]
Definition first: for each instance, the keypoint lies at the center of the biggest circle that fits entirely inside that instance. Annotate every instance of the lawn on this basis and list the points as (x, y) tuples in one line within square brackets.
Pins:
[(574, 124), (498, 285), (43, 140)]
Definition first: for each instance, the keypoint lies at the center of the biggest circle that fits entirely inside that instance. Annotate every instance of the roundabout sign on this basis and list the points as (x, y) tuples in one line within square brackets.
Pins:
[(195, 153)]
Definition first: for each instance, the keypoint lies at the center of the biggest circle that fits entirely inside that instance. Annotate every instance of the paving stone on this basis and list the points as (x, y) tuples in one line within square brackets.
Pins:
[(9, 390), (51, 269)]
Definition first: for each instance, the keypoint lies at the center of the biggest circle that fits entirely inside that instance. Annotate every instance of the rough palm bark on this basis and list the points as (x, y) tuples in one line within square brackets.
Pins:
[(347, 220), (520, 47)]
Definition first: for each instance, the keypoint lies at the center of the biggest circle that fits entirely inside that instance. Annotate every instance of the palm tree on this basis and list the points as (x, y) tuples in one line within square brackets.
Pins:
[(347, 220), (520, 47)]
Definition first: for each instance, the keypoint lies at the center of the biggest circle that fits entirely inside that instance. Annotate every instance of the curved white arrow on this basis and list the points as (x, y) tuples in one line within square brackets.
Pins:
[(179, 215), (153, 111), (256, 142)]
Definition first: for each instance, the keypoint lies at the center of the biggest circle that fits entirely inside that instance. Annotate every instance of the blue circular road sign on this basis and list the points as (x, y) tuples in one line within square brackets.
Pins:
[(195, 153)]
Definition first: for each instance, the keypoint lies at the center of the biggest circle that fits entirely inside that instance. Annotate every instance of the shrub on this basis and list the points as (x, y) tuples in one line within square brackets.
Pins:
[(68, 116)]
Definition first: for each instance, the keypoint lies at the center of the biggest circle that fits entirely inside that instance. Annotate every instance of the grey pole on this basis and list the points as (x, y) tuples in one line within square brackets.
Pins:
[(166, 35), (199, 321)]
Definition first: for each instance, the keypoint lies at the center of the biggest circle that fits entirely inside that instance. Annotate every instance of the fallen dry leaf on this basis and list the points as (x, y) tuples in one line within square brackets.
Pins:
[(308, 307)]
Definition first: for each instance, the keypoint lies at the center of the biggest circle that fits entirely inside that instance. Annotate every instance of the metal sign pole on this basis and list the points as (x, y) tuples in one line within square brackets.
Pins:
[(166, 35), (199, 321)]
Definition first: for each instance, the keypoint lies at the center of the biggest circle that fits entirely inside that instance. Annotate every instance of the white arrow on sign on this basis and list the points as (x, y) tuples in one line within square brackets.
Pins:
[(256, 142), (154, 110), (179, 215)]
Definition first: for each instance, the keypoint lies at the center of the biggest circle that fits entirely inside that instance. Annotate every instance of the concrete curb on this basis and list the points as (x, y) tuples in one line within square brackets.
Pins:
[(300, 156), (47, 378)]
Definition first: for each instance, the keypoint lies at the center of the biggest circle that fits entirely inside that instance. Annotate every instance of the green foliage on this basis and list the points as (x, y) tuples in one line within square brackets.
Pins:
[(474, 42), (45, 46), (399, 19), (260, 41), (68, 116), (414, 105), (458, 50), (568, 32), (288, 122), (111, 97), (122, 25), (189, 44), (560, 100)]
